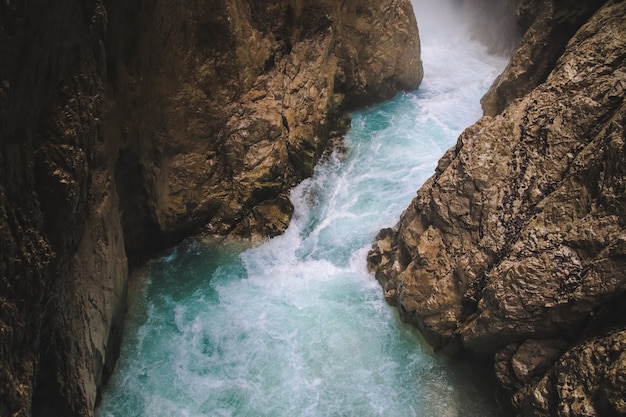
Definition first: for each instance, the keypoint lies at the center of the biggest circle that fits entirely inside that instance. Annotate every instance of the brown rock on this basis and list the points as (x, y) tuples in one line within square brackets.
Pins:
[(519, 237), (546, 26), (534, 357), (125, 126), (587, 381), (263, 88)]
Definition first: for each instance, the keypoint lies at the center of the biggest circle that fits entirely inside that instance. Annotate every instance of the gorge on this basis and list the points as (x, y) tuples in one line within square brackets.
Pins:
[(296, 325), (126, 127)]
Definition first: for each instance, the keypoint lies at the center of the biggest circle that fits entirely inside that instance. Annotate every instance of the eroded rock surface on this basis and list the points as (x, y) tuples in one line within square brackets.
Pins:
[(125, 126), (221, 139), (547, 27), (514, 249)]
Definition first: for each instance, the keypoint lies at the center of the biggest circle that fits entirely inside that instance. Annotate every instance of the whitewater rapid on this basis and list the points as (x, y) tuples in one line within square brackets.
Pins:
[(297, 326)]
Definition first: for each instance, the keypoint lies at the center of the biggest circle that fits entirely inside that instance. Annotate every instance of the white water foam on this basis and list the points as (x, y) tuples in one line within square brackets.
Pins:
[(297, 326)]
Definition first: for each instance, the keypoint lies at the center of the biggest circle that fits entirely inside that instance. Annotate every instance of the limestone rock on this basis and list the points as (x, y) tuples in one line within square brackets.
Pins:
[(519, 236)]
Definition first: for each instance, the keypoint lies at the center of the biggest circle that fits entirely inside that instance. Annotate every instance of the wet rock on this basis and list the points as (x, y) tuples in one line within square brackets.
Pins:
[(518, 238)]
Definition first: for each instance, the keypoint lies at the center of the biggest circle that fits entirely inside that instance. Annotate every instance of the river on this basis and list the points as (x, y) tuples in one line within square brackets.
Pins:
[(297, 326)]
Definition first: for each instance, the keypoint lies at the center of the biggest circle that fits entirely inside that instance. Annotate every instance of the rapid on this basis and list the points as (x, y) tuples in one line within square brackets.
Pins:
[(296, 326)]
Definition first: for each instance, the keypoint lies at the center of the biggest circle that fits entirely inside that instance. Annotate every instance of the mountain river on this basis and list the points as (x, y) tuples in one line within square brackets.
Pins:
[(297, 326)]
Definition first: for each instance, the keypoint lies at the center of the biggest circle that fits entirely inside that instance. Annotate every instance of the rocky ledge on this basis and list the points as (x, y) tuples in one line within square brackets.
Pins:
[(125, 126), (515, 249)]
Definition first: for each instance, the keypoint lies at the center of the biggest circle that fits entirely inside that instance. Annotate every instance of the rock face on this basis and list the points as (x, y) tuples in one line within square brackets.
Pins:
[(221, 139), (515, 248), (547, 27), (62, 261), (126, 125)]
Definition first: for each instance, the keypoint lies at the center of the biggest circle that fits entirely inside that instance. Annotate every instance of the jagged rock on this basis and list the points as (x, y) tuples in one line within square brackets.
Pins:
[(518, 364), (221, 140), (588, 380), (547, 27), (519, 237), (51, 95), (126, 125)]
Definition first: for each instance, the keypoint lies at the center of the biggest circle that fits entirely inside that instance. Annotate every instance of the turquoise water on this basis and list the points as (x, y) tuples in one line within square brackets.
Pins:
[(296, 326)]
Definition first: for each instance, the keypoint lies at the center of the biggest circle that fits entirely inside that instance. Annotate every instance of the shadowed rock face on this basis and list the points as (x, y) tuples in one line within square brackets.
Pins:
[(221, 139), (56, 205), (125, 126), (547, 27), (514, 249)]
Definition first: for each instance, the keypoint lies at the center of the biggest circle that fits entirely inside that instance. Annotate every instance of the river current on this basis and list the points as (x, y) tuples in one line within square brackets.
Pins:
[(297, 326)]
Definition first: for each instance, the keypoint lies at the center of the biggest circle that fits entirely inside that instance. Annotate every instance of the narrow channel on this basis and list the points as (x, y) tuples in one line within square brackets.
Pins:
[(297, 326)]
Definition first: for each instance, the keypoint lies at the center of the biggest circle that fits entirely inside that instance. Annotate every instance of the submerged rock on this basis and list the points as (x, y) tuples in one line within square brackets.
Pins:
[(514, 249)]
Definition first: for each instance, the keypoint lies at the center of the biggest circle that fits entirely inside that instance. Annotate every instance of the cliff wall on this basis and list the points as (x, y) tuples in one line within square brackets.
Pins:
[(125, 126), (514, 249), (223, 107)]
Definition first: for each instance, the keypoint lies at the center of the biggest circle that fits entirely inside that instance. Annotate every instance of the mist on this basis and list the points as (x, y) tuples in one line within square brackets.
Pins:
[(491, 22)]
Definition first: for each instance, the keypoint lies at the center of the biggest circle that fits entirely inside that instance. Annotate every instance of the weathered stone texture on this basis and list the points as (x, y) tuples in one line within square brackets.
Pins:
[(220, 140), (588, 380), (546, 26), (125, 126), (51, 95), (515, 247)]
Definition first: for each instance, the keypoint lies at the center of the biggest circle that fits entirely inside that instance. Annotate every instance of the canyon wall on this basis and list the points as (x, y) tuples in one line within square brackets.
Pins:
[(223, 106), (125, 126), (514, 250)]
